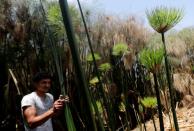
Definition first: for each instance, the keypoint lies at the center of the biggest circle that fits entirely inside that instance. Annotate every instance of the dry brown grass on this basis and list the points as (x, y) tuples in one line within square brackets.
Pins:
[(109, 30), (184, 83), (176, 47)]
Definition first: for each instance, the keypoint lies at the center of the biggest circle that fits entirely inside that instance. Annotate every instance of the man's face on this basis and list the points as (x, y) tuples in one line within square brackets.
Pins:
[(43, 85)]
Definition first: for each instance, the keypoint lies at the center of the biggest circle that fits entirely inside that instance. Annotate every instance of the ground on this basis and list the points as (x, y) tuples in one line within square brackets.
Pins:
[(185, 118)]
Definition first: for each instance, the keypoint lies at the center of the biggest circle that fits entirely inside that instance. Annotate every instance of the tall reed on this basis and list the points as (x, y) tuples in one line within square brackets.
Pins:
[(163, 19), (58, 64)]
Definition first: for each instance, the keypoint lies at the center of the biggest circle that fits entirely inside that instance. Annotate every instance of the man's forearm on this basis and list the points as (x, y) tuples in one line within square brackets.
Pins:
[(40, 119)]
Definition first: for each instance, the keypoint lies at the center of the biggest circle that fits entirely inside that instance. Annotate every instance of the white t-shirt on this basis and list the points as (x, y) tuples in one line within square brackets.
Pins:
[(41, 105)]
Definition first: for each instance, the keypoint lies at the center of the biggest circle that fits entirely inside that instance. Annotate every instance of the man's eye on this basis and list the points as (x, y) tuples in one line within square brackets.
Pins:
[(45, 82)]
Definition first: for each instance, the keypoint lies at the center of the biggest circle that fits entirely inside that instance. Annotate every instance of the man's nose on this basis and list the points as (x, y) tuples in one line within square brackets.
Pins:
[(48, 84)]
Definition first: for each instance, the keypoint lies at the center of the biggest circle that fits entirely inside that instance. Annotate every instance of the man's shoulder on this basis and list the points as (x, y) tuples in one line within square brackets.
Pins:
[(28, 99), (29, 95)]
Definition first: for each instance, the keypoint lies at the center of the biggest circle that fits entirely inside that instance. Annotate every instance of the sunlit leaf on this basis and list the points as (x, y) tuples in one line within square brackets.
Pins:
[(149, 102)]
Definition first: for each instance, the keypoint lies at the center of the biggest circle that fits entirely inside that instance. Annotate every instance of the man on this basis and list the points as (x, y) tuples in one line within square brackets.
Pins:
[(39, 107)]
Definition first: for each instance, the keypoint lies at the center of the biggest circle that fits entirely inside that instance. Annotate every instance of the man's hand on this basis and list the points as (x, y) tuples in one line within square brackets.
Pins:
[(59, 104)]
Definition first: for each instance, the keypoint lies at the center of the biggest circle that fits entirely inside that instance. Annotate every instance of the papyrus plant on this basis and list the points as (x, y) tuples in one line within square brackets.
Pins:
[(57, 60), (151, 103), (152, 60), (163, 19), (90, 102), (118, 51)]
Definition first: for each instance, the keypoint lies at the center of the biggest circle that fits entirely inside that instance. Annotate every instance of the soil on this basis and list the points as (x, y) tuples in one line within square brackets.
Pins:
[(185, 118)]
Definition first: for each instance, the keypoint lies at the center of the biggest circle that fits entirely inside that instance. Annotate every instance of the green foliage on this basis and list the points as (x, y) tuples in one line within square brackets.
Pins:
[(94, 81), (120, 49), (55, 19), (149, 102), (162, 18), (151, 59), (105, 67), (90, 58)]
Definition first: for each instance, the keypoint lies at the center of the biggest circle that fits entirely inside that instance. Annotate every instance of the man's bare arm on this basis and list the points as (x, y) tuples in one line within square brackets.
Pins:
[(35, 120)]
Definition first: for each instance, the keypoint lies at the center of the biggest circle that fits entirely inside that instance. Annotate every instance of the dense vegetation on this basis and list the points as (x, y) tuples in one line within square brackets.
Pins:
[(125, 85)]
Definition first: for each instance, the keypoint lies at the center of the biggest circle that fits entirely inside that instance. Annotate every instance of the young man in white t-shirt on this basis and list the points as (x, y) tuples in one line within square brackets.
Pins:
[(39, 107)]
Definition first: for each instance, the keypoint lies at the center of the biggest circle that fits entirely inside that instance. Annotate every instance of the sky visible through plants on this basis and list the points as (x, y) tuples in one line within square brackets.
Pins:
[(137, 8)]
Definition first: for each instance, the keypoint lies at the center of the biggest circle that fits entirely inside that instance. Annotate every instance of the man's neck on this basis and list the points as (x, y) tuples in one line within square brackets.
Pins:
[(40, 94)]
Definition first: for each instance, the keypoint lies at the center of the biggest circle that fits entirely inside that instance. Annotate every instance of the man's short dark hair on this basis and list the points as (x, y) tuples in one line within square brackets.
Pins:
[(40, 76)]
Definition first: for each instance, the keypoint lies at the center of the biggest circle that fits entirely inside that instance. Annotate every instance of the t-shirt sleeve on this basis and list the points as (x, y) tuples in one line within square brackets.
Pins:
[(27, 101)]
